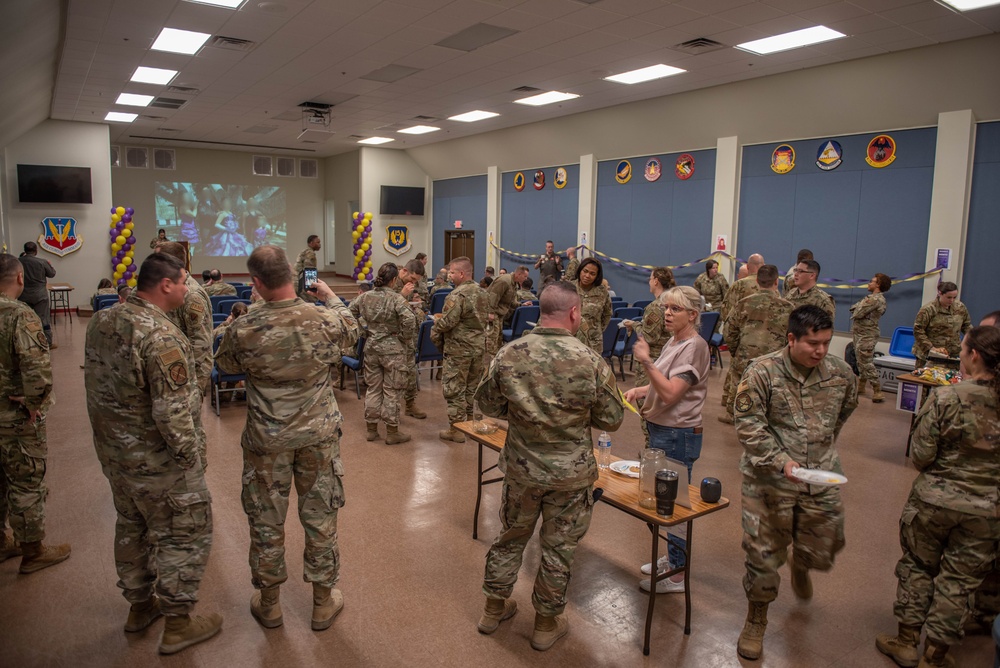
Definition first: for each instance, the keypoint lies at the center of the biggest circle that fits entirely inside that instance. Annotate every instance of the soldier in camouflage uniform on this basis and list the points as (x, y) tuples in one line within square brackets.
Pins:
[(288, 350), (140, 397), (524, 293), (388, 352), (789, 285), (588, 277), (217, 286), (865, 315), (306, 260), (25, 399), (441, 282), (758, 326), (712, 285), (194, 318), (503, 301), (742, 288), (790, 408), (806, 292), (413, 287), (950, 525), (459, 332), (551, 389), (940, 324)]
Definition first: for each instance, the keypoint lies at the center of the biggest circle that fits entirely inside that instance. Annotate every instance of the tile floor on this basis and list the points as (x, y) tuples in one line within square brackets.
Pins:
[(412, 573)]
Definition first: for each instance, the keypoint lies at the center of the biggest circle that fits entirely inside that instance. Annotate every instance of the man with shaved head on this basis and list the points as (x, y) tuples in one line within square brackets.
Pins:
[(741, 289), (552, 389)]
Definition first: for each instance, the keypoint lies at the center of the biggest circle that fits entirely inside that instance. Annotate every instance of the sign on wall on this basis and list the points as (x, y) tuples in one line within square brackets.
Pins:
[(59, 236)]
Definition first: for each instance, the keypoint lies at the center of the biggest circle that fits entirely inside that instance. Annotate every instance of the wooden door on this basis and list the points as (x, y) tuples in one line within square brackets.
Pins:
[(459, 243)]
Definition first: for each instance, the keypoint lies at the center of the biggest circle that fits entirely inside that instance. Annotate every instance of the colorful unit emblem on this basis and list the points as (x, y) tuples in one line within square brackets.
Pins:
[(59, 236), (829, 156), (519, 182), (654, 169), (397, 239), (562, 178), (623, 173), (783, 159), (881, 151), (684, 167), (539, 182)]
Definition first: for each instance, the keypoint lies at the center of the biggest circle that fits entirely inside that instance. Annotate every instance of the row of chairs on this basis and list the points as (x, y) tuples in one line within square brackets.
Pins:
[(618, 342)]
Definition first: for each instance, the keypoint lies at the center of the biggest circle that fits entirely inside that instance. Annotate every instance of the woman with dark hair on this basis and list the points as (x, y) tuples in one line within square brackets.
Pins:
[(596, 309), (390, 323), (950, 525), (940, 324), (865, 315), (712, 286)]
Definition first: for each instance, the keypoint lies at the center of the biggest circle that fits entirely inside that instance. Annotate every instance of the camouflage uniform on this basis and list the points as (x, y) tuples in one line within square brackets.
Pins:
[(503, 300), (813, 296), (552, 390), (107, 291), (388, 351), (864, 325), (141, 397), (596, 309), (216, 289), (25, 371), (712, 289), (194, 319), (782, 416), (939, 327), (740, 290), (758, 326), (410, 342), (444, 285), (460, 334), (549, 265), (288, 350), (951, 522), (789, 283), (525, 296), (305, 260), (656, 335)]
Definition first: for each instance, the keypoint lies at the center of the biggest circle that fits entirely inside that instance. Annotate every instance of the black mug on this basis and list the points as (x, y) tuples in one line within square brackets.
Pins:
[(666, 492)]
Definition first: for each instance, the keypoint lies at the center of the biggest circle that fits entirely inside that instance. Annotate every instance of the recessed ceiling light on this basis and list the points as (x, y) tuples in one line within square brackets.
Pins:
[(133, 100), (419, 130), (229, 4), (120, 117), (376, 140), (645, 74), (153, 75), (179, 41), (546, 98), (791, 40), (969, 5), (472, 116)]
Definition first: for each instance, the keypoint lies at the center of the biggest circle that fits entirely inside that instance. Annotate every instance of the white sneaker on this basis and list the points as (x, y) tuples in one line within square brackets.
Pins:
[(662, 566), (665, 586)]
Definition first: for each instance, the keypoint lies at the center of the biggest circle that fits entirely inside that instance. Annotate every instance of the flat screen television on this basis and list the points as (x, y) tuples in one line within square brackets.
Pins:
[(401, 201), (53, 184)]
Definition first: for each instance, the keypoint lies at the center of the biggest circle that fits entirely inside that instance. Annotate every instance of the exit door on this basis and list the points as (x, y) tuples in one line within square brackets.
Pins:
[(459, 243)]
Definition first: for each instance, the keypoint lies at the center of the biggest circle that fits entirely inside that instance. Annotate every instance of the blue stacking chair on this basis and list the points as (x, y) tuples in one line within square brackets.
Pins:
[(104, 301), (642, 304), (628, 313), (225, 306), (355, 364), (215, 299), (623, 347), (519, 324), (437, 300), (709, 319), (427, 351), (218, 378), (218, 319), (617, 299), (243, 291), (611, 334)]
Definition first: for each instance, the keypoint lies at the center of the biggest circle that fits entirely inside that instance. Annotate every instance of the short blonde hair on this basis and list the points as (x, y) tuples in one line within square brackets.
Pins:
[(686, 297)]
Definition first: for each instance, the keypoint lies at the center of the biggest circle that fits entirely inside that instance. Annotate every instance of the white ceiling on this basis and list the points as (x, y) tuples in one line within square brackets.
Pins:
[(318, 50)]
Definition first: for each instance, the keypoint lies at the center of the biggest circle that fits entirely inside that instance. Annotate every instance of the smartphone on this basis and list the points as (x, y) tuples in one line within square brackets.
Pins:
[(308, 279)]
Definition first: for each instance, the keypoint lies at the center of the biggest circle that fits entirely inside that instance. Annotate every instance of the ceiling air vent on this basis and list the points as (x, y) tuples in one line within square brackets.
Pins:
[(168, 103), (424, 119), (187, 90), (526, 89), (167, 130), (355, 136), (699, 45), (231, 43)]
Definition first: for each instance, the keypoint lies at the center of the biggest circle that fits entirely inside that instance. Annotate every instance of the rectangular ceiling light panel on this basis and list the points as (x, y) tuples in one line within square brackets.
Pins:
[(551, 97), (228, 4), (133, 100), (153, 75), (419, 130), (645, 74), (969, 5), (173, 40), (376, 140), (791, 40), (120, 117), (473, 116)]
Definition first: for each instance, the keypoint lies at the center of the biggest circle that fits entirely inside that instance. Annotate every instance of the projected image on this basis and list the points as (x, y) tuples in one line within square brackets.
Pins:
[(221, 220)]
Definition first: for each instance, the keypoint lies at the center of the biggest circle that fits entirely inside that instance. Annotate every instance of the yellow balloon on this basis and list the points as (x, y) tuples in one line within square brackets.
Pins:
[(368, 215), (130, 253), (120, 240), (115, 247), (132, 282), (365, 246), (120, 211), (117, 275), (115, 218), (126, 260), (354, 215), (129, 225), (126, 233), (360, 228), (355, 234), (120, 268)]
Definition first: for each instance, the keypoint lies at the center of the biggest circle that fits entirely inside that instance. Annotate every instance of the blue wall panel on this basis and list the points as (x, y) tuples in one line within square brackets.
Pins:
[(857, 219), (663, 222), (531, 217), (980, 278), (461, 199)]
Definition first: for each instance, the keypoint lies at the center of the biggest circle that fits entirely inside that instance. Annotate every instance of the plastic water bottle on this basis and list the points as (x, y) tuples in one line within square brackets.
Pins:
[(603, 451)]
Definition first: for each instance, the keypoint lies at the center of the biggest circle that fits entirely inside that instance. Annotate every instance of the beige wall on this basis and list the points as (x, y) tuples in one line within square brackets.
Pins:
[(343, 186)]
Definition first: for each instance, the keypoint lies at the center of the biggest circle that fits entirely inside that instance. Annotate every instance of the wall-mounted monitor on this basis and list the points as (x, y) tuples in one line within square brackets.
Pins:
[(401, 201), (50, 184)]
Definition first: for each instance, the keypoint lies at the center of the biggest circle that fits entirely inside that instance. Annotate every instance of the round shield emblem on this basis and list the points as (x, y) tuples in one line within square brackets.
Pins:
[(623, 172)]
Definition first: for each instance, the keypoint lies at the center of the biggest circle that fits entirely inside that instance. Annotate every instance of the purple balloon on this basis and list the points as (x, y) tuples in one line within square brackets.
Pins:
[(126, 218), (368, 228), (114, 210), (368, 254), (129, 211)]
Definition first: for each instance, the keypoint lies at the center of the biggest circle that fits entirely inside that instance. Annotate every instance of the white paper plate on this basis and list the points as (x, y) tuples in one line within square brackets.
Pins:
[(819, 477), (623, 466)]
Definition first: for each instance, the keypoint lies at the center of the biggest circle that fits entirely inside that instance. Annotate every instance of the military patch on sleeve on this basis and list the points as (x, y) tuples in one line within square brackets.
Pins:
[(196, 307), (42, 341), (743, 402), (171, 356), (178, 373)]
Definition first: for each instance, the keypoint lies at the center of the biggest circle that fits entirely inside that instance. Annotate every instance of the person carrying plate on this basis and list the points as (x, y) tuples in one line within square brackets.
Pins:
[(950, 524), (790, 407)]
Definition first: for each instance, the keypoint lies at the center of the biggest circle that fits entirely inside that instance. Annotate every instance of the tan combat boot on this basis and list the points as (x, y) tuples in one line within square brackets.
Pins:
[(801, 583), (451, 434), (547, 631), (327, 604), (861, 386), (372, 434), (393, 436), (413, 411), (496, 611), (751, 642), (265, 607), (8, 547), (901, 648), (726, 418), (142, 615), (935, 655), (182, 631), (877, 396), (36, 556)]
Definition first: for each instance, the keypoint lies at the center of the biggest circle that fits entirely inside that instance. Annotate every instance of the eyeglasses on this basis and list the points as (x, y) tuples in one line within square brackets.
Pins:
[(803, 271), (674, 308)]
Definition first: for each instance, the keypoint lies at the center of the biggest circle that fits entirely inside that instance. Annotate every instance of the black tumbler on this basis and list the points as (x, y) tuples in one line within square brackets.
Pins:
[(666, 492)]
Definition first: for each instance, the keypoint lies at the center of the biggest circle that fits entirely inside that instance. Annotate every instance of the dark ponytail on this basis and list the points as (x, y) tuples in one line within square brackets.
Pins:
[(986, 341), (387, 273)]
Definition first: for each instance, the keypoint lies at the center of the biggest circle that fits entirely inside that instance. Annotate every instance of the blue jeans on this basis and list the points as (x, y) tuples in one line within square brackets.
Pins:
[(685, 446)]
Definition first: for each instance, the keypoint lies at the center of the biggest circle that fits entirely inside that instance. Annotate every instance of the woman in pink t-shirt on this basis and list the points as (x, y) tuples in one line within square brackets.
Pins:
[(678, 385)]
